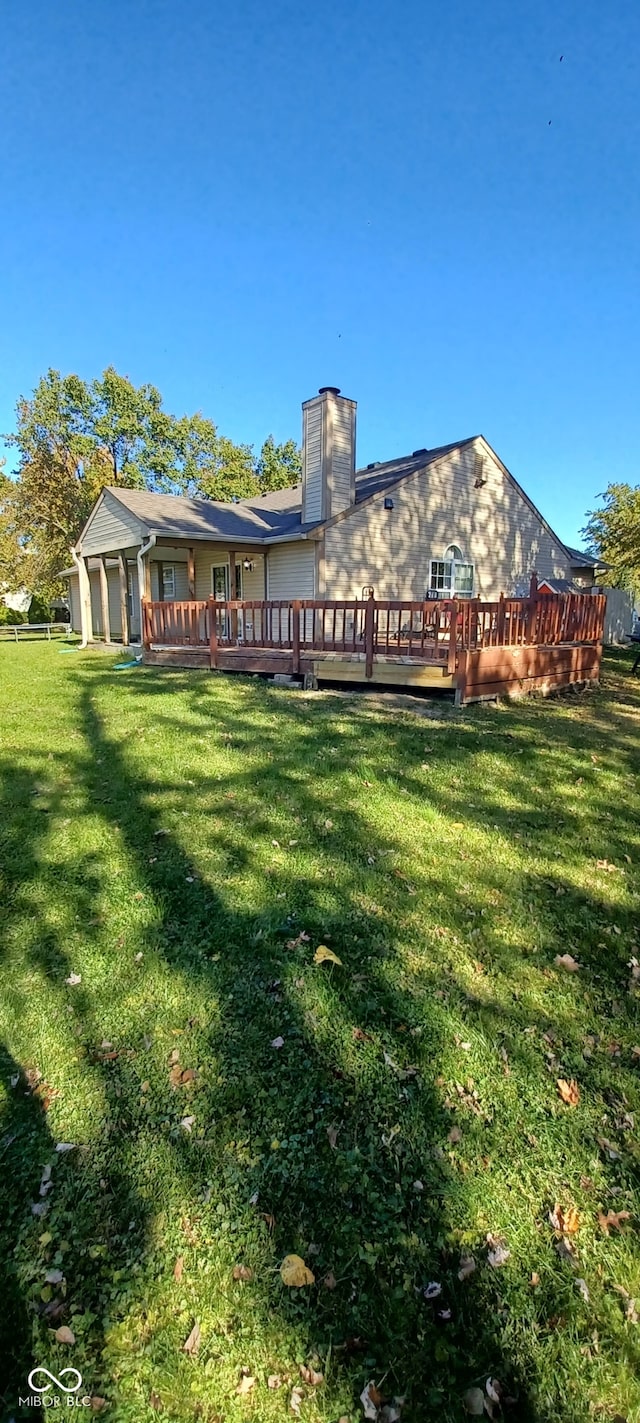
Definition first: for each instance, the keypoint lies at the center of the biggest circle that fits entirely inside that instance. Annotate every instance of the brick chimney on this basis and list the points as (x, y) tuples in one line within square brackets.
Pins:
[(328, 454)]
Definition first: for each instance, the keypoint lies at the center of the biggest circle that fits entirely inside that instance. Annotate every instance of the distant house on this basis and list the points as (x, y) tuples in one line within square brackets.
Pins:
[(446, 522)]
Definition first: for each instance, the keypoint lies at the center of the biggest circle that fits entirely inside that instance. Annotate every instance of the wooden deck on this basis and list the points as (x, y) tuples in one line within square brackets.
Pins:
[(479, 649)]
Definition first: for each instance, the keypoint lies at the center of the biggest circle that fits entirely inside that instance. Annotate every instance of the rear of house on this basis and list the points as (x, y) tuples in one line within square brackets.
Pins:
[(439, 523)]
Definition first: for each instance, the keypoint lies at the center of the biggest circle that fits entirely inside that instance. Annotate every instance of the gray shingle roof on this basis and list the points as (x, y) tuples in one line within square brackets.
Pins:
[(262, 519), (582, 559), (560, 585), (169, 514)]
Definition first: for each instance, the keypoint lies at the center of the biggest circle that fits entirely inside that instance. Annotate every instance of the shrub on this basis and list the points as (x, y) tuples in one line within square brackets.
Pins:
[(9, 617)]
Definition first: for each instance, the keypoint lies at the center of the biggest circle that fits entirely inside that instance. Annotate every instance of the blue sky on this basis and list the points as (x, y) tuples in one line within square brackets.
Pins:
[(242, 203)]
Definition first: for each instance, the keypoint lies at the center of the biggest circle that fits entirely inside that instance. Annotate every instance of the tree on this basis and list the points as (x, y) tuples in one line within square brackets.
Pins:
[(11, 552), (279, 466), (613, 533), (210, 465), (76, 436), (110, 420)]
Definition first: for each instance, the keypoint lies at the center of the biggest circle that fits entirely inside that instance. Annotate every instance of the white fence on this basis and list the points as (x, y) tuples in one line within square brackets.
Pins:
[(619, 615)]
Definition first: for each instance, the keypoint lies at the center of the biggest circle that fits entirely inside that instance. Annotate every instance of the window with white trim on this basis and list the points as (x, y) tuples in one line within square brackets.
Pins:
[(168, 582), (451, 576)]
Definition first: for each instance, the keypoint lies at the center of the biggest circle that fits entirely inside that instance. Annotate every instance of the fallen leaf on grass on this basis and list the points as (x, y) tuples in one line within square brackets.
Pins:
[(569, 1091), (455, 1135), (247, 1382), (65, 1335), (359, 1036), (612, 1220), (295, 1273), (97, 1403), (179, 1076), (192, 1344), (332, 1133), (608, 1148), (467, 1267), (277, 1042), (565, 1249), (274, 1381), (303, 938), (371, 1400), (54, 1277), (433, 1290), (74, 979), (330, 1281), (242, 1272), (178, 1268), (535, 1279), (565, 1221), (629, 1306), (187, 1123), (474, 1402), (566, 961), (583, 1289), (297, 1397), (325, 955), (311, 1376), (498, 1254)]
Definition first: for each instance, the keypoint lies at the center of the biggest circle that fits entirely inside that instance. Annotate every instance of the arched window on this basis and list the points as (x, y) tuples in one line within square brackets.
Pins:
[(451, 576)]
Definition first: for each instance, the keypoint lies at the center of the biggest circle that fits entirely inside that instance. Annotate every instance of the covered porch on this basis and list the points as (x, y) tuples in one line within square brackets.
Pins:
[(107, 591)]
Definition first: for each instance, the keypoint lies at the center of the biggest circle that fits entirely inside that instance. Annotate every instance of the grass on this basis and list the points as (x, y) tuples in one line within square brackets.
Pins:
[(171, 839)]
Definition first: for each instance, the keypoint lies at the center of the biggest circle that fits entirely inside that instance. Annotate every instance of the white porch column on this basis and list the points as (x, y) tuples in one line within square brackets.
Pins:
[(144, 580), (84, 588), (104, 600)]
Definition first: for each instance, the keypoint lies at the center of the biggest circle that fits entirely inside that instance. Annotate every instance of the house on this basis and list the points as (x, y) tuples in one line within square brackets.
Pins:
[(437, 523)]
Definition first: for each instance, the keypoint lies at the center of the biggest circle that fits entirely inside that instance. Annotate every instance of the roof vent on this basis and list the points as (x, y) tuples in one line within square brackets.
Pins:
[(414, 453), (374, 465), (329, 390)]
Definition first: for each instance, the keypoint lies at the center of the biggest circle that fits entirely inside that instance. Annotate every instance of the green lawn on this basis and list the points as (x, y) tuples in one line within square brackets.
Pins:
[(183, 843)]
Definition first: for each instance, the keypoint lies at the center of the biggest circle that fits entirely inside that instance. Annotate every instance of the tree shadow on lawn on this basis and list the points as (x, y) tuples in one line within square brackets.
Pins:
[(376, 1233)]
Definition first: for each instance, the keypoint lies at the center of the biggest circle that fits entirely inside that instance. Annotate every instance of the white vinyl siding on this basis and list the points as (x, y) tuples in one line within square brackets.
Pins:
[(291, 570), (74, 602), (115, 617), (496, 528), (111, 527), (312, 426), (343, 453)]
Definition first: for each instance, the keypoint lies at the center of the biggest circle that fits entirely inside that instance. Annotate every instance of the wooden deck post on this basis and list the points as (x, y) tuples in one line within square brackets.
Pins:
[(533, 608), (369, 610), (233, 620), (213, 633), (295, 636), (500, 622), (104, 600), (146, 629), (124, 600), (191, 573), (453, 640)]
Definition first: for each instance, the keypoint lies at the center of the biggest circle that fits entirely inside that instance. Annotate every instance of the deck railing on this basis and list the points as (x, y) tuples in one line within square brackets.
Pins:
[(427, 631)]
